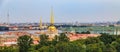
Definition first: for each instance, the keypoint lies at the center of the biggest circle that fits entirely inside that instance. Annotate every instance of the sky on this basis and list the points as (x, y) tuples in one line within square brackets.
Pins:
[(83, 11)]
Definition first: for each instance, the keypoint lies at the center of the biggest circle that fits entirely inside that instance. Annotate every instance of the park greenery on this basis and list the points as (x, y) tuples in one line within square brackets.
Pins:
[(103, 43)]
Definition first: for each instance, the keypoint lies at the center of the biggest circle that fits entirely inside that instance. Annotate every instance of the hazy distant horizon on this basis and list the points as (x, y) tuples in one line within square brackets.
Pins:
[(84, 11)]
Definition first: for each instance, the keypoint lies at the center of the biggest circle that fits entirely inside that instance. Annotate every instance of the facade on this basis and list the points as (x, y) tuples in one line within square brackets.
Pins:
[(73, 36)]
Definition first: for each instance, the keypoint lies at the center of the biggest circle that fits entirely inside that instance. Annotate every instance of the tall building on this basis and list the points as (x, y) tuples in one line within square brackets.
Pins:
[(52, 30)]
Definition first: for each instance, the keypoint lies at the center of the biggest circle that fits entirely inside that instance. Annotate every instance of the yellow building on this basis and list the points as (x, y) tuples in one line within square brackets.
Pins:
[(52, 30)]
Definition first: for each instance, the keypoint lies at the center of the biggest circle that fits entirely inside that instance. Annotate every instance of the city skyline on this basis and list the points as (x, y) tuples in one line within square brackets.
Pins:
[(64, 10)]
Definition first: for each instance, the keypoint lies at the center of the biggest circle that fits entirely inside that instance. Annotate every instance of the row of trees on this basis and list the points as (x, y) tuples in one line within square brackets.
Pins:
[(84, 32), (103, 43)]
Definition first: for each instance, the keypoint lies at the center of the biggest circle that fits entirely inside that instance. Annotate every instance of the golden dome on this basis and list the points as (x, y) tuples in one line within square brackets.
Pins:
[(52, 28)]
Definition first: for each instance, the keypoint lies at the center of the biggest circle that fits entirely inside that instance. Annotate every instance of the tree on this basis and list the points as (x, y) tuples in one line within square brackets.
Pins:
[(24, 43), (118, 39), (92, 40), (47, 49), (93, 48), (83, 32), (77, 32), (70, 47), (8, 49), (44, 40), (43, 49), (32, 49), (81, 41), (110, 48), (55, 40), (116, 44), (63, 38), (118, 48), (106, 38), (87, 32)]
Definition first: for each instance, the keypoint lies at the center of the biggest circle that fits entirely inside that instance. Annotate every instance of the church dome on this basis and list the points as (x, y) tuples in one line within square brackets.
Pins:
[(52, 28)]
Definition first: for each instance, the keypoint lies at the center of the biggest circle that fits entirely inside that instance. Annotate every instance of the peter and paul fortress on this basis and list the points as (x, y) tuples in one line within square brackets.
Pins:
[(51, 31)]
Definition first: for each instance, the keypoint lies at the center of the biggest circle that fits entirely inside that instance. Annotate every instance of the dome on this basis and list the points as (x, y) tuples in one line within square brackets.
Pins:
[(52, 28)]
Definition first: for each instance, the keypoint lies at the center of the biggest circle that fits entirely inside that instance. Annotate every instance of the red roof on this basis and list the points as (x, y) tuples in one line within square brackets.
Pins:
[(81, 36)]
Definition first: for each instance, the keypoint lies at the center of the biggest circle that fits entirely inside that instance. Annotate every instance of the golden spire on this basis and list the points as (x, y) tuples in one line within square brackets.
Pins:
[(40, 23), (52, 17)]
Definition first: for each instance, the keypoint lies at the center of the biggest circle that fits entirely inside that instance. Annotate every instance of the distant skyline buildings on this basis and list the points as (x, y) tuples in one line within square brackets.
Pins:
[(82, 11)]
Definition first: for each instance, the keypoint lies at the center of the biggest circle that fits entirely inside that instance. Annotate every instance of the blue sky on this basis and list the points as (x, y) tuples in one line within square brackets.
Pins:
[(64, 10)]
